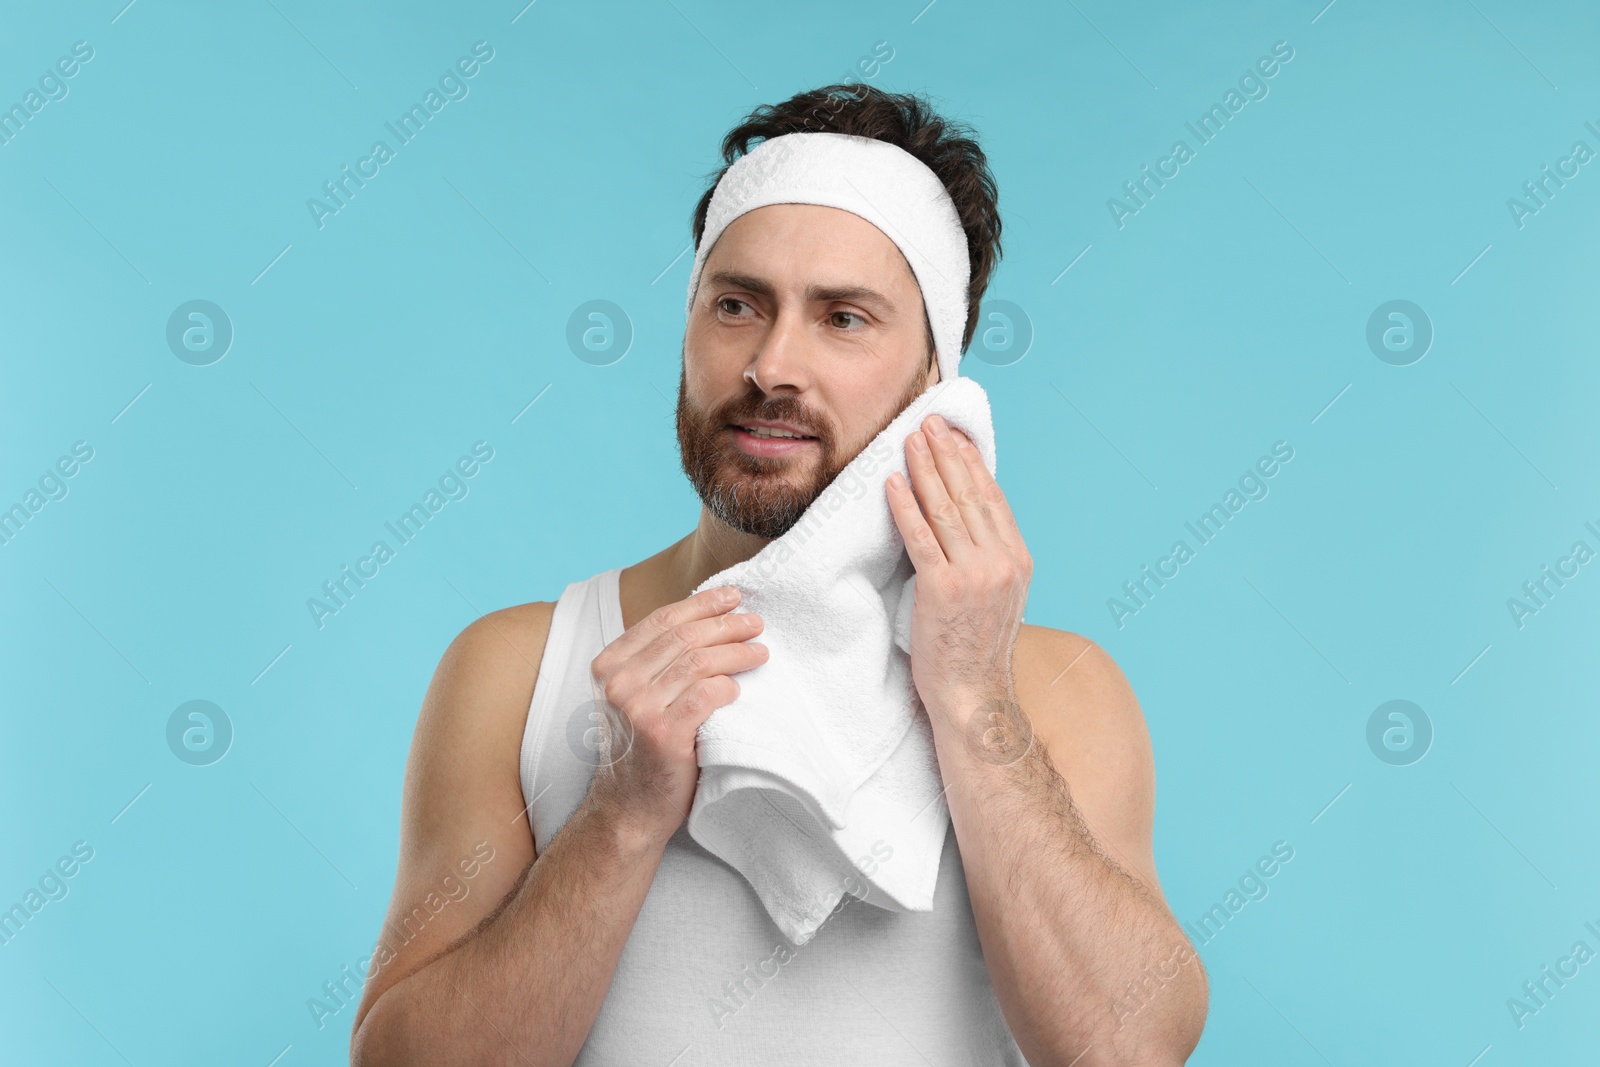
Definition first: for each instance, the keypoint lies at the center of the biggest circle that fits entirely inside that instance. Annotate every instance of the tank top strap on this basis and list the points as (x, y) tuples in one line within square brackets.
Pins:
[(556, 764)]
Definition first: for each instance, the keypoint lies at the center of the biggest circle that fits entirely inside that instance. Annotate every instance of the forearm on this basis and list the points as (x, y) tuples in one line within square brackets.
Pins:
[(525, 986), (1089, 967)]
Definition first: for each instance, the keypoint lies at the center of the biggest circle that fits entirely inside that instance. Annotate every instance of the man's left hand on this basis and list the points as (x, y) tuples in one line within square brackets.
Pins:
[(972, 570)]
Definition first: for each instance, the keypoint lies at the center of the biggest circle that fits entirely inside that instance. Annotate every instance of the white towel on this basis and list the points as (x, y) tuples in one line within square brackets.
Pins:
[(821, 777)]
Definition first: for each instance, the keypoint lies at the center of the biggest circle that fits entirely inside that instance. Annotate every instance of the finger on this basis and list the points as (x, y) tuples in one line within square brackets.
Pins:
[(702, 664), (943, 513), (957, 477), (695, 705), (706, 604), (922, 545), (1003, 522), (649, 663), (996, 512)]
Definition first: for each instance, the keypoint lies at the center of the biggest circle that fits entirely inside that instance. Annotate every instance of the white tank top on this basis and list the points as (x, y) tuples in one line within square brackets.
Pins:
[(705, 976)]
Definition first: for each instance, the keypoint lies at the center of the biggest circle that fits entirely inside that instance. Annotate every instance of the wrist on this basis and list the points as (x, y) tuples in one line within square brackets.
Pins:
[(630, 832), (953, 706), (984, 725)]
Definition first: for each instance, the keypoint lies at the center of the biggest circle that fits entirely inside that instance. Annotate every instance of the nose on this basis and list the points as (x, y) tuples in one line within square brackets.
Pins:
[(782, 359)]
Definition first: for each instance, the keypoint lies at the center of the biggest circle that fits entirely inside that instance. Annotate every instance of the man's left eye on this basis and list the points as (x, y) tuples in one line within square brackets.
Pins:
[(848, 315)]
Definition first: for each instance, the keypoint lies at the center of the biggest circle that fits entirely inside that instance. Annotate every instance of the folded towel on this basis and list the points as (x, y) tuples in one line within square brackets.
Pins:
[(821, 777)]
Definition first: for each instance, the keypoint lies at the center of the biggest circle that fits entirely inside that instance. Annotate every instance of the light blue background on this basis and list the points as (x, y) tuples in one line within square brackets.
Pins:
[(1226, 315)]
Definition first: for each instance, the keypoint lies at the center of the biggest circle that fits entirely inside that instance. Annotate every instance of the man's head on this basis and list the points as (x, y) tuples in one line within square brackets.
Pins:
[(811, 316)]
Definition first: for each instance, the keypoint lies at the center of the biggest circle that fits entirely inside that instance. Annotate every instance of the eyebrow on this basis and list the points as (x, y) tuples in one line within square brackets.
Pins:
[(761, 287)]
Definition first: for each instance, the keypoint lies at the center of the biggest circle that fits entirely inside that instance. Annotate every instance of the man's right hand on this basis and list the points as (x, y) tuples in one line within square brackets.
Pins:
[(536, 944), (662, 679)]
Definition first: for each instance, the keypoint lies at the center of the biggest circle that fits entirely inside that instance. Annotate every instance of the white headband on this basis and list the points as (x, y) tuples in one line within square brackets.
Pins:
[(882, 183)]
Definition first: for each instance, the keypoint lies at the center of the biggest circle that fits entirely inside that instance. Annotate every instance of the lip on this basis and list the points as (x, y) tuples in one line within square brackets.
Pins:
[(770, 425), (752, 445)]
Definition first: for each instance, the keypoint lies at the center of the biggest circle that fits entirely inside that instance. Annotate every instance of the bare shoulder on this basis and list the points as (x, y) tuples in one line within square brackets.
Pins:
[(469, 731), (512, 638), (1078, 686), (464, 833), (1084, 709), (476, 706), (502, 650)]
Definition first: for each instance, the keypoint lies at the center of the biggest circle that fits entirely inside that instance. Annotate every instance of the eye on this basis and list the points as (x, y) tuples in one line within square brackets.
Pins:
[(847, 314), (724, 301)]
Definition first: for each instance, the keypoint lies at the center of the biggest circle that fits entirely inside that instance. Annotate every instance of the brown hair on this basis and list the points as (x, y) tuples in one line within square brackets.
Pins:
[(906, 121)]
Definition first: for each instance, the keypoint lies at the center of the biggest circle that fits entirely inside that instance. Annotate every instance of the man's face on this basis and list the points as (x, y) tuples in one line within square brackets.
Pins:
[(810, 317)]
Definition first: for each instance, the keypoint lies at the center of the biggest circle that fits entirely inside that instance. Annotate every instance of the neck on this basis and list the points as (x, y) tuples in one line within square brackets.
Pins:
[(712, 546), (673, 573)]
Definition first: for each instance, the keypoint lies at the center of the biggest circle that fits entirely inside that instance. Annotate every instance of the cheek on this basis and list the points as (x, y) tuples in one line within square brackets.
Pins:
[(694, 341), (704, 375), (716, 353), (717, 379)]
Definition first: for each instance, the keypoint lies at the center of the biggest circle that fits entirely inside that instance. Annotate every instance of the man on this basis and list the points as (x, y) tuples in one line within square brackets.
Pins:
[(599, 932)]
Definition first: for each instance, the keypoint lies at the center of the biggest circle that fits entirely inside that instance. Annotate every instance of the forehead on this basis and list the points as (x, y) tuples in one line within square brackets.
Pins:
[(786, 241)]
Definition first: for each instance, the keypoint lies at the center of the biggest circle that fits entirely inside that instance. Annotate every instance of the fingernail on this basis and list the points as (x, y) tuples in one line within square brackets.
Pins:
[(919, 442), (936, 423)]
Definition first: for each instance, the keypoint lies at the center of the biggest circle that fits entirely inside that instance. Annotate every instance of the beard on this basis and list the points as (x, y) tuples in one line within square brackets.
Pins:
[(764, 495)]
